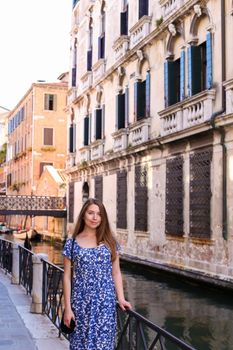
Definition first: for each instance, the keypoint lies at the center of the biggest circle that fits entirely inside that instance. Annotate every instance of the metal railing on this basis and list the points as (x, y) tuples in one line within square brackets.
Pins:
[(6, 255), (25, 269), (134, 332)]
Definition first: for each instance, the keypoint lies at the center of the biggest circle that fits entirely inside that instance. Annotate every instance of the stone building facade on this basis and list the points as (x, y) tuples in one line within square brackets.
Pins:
[(150, 127), (37, 136)]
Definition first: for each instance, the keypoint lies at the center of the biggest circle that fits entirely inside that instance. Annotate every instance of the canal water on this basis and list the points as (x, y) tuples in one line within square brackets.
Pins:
[(201, 316)]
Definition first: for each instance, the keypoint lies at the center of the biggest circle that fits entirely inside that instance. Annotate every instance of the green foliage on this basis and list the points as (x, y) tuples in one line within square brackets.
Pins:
[(3, 154)]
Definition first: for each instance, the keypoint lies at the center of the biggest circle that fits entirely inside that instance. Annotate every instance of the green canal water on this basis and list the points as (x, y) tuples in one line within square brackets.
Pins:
[(199, 315)]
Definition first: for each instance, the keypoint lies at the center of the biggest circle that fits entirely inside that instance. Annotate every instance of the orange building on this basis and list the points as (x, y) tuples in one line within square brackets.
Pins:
[(37, 136)]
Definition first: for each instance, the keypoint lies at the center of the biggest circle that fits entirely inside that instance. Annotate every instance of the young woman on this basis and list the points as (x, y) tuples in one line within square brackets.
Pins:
[(96, 281)]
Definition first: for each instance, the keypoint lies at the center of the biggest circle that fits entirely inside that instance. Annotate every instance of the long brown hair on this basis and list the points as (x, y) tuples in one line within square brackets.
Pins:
[(103, 231)]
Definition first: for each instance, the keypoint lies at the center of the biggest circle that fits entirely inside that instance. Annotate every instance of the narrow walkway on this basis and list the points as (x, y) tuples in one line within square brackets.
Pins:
[(19, 328)]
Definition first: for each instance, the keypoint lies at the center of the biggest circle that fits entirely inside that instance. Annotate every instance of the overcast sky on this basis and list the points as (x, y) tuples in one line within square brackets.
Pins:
[(34, 45)]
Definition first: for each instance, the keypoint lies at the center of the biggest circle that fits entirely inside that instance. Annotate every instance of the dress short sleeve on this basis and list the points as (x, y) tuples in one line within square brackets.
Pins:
[(67, 248)]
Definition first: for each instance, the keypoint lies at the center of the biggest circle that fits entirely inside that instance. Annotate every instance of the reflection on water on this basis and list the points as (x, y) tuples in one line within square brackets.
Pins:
[(202, 317)]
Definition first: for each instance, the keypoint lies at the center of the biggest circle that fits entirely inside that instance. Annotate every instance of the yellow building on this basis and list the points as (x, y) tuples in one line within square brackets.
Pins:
[(36, 137)]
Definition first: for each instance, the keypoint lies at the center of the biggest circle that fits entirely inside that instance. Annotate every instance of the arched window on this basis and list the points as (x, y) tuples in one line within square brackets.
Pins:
[(124, 18), (101, 39)]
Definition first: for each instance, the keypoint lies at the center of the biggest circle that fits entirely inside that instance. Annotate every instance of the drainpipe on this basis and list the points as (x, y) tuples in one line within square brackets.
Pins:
[(221, 130)]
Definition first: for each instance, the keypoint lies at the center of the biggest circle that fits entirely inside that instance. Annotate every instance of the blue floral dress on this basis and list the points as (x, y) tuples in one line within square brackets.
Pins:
[(93, 298)]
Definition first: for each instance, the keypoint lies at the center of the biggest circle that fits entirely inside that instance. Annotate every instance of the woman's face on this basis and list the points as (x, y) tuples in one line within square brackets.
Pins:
[(92, 217)]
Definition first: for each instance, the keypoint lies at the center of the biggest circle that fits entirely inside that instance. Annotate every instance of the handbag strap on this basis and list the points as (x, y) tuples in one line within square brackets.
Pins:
[(72, 262)]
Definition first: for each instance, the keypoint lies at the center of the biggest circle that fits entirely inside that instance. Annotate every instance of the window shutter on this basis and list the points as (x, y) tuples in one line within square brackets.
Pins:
[(136, 84), (116, 116), (99, 187), (209, 62), (121, 111), (86, 131), (89, 59), (71, 202), (182, 75), (143, 8), (166, 84), (148, 94), (173, 82), (46, 101), (54, 102), (141, 101), (98, 124), (74, 137), (121, 200), (101, 46), (71, 140), (141, 198), (103, 122), (196, 69), (90, 127), (48, 136), (74, 76), (124, 22), (126, 106), (190, 91)]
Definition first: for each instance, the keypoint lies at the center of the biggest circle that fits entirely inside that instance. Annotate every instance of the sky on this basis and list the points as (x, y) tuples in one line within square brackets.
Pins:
[(34, 45)]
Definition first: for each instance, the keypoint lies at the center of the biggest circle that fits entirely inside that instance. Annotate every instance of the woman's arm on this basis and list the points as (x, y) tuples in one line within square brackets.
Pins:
[(67, 291), (117, 277)]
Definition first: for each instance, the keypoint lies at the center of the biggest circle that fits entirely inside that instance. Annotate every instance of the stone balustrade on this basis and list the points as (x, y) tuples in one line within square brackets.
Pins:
[(86, 80), (97, 149), (72, 94), (98, 69), (121, 46), (170, 6), (84, 154), (192, 111), (140, 30), (120, 138), (139, 132), (229, 96), (71, 160)]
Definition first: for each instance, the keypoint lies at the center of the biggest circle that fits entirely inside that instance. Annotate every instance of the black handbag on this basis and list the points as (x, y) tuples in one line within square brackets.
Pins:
[(63, 327)]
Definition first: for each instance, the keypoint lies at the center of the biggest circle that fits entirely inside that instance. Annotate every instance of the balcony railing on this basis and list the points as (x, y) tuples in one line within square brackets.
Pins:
[(86, 80), (192, 111), (121, 46), (98, 69), (84, 154), (97, 149), (139, 132), (140, 30), (229, 96), (120, 139), (170, 6), (72, 94)]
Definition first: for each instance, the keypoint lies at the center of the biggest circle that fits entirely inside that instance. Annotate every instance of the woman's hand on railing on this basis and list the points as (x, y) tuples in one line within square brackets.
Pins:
[(124, 304)]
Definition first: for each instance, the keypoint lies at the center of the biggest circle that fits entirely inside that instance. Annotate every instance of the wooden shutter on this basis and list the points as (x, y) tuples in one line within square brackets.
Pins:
[(86, 131), (48, 136), (143, 8), (71, 202), (98, 124), (103, 122), (174, 196), (124, 22), (71, 138), (147, 94), (89, 60), (200, 193), (122, 199), (140, 100), (209, 61), (182, 75), (136, 85), (141, 198), (74, 137), (194, 69), (166, 84), (126, 106), (99, 188), (121, 111), (173, 76), (74, 76)]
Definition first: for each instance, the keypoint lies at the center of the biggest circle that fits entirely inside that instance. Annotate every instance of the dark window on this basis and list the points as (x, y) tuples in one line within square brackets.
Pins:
[(8, 180), (71, 202), (142, 98), (98, 124), (42, 165), (101, 46), (122, 199), (74, 76), (174, 196), (72, 138), (141, 198), (197, 68), (200, 193), (48, 136), (99, 188), (120, 111), (86, 131), (89, 59), (143, 8), (124, 22), (50, 102)]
